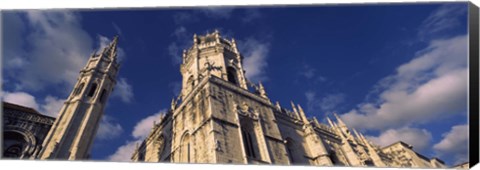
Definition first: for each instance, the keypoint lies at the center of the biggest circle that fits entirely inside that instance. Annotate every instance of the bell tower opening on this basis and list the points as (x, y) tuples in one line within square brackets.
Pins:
[(231, 75), (92, 90)]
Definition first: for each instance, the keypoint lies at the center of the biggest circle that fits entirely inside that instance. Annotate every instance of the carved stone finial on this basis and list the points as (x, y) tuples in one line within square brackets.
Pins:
[(277, 104), (261, 90), (244, 107), (195, 39), (173, 105)]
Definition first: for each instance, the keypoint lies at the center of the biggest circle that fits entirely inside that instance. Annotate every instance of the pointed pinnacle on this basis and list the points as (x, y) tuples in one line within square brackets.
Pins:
[(115, 38), (316, 121), (295, 110), (302, 113), (330, 122), (340, 122), (356, 133)]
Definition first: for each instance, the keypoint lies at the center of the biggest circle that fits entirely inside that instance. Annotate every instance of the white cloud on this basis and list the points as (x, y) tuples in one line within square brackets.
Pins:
[(308, 72), (331, 101), (454, 142), (311, 74), (182, 18), (12, 29), (428, 88), (144, 126), (123, 90), (124, 152), (20, 98), (63, 31), (55, 38), (118, 30), (251, 14), (176, 87), (108, 129), (442, 20), (182, 42), (325, 104), (139, 133), (418, 138), (255, 61), (218, 12), (52, 106)]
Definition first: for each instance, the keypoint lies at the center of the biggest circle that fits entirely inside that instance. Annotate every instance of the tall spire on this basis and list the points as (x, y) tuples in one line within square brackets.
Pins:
[(71, 136), (114, 41), (110, 51)]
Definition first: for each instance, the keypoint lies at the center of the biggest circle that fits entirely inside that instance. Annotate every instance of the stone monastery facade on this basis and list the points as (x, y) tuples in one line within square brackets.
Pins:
[(221, 117)]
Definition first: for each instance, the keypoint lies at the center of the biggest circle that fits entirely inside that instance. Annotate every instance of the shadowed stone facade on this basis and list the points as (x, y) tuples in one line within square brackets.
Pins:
[(23, 131), (221, 117)]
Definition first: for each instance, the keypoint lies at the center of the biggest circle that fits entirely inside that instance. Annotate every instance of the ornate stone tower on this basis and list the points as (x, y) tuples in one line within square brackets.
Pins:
[(219, 120), (213, 55), (72, 134)]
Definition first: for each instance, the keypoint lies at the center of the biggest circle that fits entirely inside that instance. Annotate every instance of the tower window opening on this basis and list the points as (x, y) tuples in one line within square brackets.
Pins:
[(191, 82), (102, 95), (290, 152), (248, 144), (79, 89), (92, 90), (231, 75)]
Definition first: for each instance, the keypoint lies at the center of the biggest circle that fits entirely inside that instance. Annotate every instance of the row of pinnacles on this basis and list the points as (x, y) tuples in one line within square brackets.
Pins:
[(218, 117)]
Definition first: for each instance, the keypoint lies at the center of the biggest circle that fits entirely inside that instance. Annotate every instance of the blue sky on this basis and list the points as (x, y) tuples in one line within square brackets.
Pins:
[(394, 72)]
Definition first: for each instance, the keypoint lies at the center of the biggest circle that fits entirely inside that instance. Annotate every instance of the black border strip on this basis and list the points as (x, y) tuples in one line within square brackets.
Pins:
[(473, 19)]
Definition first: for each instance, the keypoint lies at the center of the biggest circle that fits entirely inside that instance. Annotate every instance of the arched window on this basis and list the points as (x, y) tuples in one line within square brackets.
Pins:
[(92, 90), (191, 82), (102, 95), (79, 89), (185, 149), (248, 143), (13, 144), (160, 144), (141, 156), (231, 75), (291, 151)]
